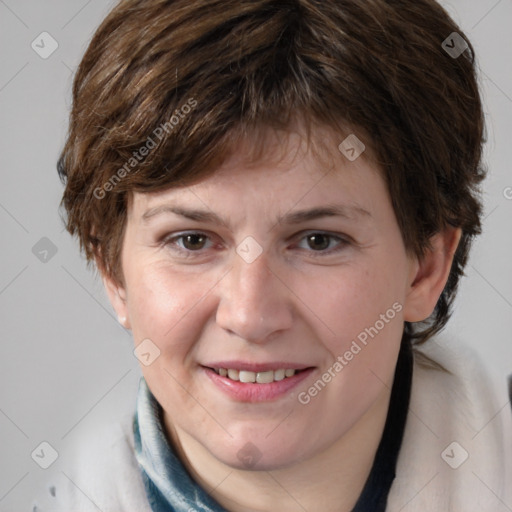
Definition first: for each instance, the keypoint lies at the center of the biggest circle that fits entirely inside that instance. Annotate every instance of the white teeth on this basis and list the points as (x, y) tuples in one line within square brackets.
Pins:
[(233, 374), (265, 377), (246, 376), (259, 377), (279, 374)]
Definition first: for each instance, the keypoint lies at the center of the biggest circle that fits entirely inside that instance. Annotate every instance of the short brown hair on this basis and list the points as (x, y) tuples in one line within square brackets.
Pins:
[(378, 66)]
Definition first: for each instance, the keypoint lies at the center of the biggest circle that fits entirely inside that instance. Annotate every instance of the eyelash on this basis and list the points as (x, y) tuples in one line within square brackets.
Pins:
[(169, 241)]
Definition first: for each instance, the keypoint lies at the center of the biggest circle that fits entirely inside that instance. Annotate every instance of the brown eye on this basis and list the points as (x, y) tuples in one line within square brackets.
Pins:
[(318, 241), (194, 242), (187, 243)]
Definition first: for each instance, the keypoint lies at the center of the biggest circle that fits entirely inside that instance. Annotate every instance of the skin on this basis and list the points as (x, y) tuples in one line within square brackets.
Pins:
[(296, 302)]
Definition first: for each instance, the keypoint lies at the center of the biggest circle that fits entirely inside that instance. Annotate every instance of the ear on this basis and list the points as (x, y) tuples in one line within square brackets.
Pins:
[(117, 295), (115, 291), (429, 275)]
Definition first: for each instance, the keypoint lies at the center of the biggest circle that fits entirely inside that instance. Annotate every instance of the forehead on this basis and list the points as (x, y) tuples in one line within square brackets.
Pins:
[(280, 167)]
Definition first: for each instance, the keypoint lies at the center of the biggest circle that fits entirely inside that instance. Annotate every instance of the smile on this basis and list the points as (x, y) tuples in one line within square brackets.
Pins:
[(248, 382), (256, 377)]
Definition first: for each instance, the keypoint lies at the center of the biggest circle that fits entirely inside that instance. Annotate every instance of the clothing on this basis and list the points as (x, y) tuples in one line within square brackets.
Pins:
[(169, 486), (375, 493), (451, 416)]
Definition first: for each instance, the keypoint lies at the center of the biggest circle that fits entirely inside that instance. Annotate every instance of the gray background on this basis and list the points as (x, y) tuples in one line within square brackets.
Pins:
[(66, 366)]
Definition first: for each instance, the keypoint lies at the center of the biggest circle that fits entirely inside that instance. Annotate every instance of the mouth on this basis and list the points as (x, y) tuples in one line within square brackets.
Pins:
[(266, 377), (247, 382)]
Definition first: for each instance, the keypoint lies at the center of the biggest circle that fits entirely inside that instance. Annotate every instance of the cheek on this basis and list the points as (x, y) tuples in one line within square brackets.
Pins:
[(162, 301), (359, 321), (350, 299)]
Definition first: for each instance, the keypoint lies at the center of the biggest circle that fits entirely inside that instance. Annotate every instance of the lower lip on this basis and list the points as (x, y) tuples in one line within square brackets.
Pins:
[(252, 392)]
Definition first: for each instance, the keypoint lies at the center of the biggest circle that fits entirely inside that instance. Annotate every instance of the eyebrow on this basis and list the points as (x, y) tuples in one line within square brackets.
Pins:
[(351, 212)]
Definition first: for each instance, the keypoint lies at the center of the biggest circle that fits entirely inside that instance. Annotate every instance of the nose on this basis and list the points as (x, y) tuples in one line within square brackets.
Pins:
[(255, 302)]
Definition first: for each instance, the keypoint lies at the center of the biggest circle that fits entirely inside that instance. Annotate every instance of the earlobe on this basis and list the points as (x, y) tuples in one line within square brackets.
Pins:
[(430, 274), (115, 291), (117, 296)]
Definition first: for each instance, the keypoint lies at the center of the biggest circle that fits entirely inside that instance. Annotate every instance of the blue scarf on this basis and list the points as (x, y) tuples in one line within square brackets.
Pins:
[(170, 488)]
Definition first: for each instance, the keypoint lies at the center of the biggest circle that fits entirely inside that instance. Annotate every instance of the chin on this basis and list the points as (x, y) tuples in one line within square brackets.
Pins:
[(259, 455)]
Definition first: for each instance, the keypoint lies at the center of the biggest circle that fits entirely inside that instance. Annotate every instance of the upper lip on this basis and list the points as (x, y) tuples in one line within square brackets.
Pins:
[(256, 367)]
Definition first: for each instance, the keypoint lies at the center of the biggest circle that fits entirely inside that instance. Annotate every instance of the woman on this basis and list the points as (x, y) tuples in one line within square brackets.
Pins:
[(280, 199)]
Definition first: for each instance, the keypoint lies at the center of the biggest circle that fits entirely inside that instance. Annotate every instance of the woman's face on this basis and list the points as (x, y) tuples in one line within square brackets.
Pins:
[(283, 265)]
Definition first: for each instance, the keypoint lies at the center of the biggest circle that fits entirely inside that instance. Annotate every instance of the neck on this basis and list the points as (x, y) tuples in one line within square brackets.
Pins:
[(335, 477)]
